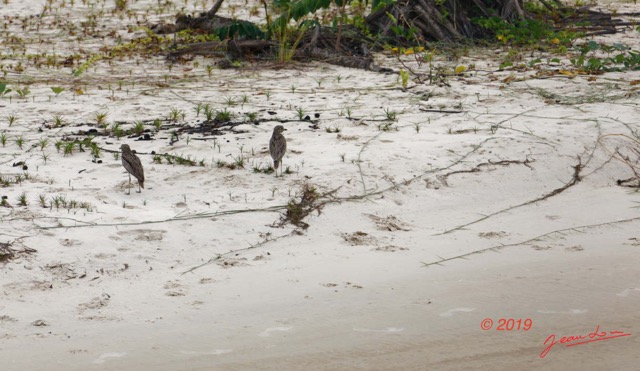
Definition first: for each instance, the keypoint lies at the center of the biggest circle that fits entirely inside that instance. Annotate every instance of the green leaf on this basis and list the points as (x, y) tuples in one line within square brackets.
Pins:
[(57, 89), (505, 65), (534, 62)]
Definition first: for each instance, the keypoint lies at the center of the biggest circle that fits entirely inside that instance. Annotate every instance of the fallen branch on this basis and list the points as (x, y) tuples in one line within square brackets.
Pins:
[(574, 180), (219, 257), (502, 246), (478, 168)]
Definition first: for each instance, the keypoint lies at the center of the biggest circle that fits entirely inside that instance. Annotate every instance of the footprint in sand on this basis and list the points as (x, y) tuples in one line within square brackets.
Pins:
[(624, 293), (140, 235), (451, 312), (104, 356), (174, 289), (388, 330), (215, 352), (570, 311), (267, 332)]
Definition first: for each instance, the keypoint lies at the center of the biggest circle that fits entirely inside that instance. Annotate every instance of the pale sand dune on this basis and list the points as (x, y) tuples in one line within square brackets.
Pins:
[(119, 285)]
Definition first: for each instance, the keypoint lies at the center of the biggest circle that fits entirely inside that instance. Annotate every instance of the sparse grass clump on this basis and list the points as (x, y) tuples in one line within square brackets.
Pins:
[(223, 115), (332, 129), (387, 126), (138, 128), (22, 199), (264, 170), (390, 114), (298, 209), (20, 141), (60, 202), (101, 118)]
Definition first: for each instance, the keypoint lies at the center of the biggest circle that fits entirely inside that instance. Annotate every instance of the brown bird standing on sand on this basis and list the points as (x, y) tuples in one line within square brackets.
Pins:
[(132, 163), (277, 147)]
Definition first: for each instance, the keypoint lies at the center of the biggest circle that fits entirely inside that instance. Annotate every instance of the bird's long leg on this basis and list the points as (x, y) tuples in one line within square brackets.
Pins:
[(139, 189), (129, 188)]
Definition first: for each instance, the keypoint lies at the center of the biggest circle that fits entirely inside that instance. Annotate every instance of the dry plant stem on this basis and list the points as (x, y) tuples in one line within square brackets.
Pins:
[(7, 252), (297, 230), (234, 252), (478, 167), (548, 234), (633, 166), (365, 195), (574, 180), (438, 111), (511, 117), (359, 162), (175, 219)]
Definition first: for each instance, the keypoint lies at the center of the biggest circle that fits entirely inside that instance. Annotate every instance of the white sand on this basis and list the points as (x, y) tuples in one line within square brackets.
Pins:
[(107, 288)]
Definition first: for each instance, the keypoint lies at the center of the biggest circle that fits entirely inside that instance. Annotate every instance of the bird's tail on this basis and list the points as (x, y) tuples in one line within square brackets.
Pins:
[(141, 184), (276, 163)]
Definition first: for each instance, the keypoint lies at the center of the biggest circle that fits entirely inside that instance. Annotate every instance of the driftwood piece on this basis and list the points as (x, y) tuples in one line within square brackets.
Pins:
[(204, 22), (328, 56), (233, 49)]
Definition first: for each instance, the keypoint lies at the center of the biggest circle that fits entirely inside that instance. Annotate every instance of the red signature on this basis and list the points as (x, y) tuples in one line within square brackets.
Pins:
[(581, 339)]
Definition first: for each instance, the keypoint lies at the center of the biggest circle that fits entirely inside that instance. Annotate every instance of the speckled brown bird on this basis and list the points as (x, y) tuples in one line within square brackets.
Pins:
[(277, 147), (132, 164)]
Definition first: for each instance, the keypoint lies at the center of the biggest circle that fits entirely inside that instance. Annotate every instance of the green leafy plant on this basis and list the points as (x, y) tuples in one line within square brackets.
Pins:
[(239, 161), (223, 115), (174, 114), (387, 126), (286, 47), (390, 114), (42, 200), (333, 129), (22, 199), (3, 89), (20, 141), (138, 127), (230, 101), (209, 112), (68, 148), (101, 118), (251, 116), (404, 77), (23, 92), (11, 119), (43, 143), (244, 100), (588, 61), (301, 113), (95, 150), (58, 121), (57, 90)]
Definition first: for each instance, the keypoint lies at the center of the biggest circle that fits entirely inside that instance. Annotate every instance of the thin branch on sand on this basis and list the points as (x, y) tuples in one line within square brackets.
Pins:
[(265, 241), (576, 177), (548, 234)]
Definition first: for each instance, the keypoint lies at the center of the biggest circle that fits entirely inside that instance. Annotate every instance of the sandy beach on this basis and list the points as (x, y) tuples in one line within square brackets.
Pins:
[(479, 223)]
